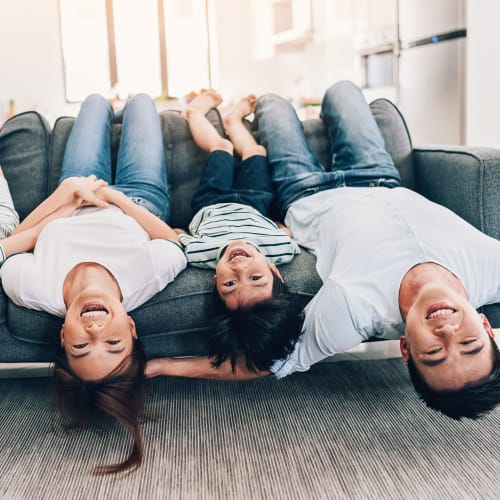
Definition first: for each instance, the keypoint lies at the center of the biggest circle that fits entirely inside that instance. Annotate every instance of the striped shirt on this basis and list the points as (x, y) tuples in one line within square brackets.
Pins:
[(9, 219), (215, 226)]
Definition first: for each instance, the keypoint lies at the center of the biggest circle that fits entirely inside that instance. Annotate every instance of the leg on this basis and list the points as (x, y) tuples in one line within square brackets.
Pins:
[(295, 170), (88, 150), (243, 141), (141, 171), (204, 134), (358, 148)]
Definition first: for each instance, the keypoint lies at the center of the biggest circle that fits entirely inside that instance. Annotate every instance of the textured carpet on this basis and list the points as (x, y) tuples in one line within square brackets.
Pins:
[(342, 430)]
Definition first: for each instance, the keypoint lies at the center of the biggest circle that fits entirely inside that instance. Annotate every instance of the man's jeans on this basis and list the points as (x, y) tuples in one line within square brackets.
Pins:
[(140, 170), (358, 154), (224, 180)]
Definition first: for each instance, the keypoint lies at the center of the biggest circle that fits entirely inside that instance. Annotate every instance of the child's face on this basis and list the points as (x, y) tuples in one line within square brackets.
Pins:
[(243, 276)]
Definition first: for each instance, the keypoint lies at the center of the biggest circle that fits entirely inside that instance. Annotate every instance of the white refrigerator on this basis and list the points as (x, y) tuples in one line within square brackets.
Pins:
[(431, 69)]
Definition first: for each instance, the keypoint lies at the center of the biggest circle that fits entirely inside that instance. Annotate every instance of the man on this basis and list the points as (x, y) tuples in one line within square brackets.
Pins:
[(391, 261)]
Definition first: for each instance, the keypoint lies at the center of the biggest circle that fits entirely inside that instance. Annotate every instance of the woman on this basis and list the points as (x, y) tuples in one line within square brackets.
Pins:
[(100, 250)]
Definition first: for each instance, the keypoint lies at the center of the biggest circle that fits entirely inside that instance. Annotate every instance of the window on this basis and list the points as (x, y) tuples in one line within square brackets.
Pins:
[(161, 47)]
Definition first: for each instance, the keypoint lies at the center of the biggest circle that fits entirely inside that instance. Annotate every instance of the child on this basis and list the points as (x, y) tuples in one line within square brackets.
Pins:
[(231, 233)]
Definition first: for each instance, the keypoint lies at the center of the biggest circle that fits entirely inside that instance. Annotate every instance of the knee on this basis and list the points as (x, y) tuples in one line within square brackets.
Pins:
[(256, 150), (270, 101), (142, 100), (94, 100), (223, 145), (341, 89)]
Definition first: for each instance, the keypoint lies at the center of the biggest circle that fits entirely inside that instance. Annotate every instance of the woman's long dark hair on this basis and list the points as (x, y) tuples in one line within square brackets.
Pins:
[(120, 396)]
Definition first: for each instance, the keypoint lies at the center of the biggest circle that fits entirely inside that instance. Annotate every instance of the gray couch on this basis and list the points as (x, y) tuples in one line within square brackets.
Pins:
[(176, 322)]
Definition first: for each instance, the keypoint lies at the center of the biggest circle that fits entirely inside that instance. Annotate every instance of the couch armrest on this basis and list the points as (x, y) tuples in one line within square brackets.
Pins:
[(464, 179)]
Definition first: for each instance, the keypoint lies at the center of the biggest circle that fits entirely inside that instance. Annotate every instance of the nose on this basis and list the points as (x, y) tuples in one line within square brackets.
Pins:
[(446, 330), (94, 328)]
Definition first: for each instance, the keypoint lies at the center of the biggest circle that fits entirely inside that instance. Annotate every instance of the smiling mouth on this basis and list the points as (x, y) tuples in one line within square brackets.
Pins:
[(93, 311), (238, 253), (440, 310)]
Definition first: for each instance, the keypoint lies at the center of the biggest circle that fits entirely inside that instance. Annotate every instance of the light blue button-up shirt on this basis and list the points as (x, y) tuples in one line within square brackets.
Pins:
[(365, 241)]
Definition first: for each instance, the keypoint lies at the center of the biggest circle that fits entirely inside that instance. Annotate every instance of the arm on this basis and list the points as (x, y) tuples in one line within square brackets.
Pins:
[(25, 240), (9, 218), (72, 192), (201, 367), (154, 226), (285, 229)]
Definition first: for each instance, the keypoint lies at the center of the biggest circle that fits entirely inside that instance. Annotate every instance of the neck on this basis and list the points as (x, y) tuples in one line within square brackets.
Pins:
[(89, 275), (421, 275)]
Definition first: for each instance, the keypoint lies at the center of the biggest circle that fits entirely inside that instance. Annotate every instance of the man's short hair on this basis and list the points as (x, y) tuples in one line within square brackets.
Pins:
[(264, 333), (472, 401)]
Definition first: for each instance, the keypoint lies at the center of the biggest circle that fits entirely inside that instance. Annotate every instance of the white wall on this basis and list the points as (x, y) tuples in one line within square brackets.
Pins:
[(483, 73), (30, 55)]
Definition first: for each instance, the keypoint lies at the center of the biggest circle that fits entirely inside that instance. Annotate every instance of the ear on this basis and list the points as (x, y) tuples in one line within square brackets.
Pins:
[(61, 335), (215, 279), (487, 326), (132, 327), (276, 271), (405, 350)]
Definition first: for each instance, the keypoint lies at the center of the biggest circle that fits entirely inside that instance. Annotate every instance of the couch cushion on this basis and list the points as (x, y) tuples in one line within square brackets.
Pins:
[(176, 322), (24, 143)]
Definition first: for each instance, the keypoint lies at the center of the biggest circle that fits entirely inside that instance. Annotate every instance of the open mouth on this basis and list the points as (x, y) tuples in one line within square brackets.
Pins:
[(238, 253), (439, 310), (93, 311)]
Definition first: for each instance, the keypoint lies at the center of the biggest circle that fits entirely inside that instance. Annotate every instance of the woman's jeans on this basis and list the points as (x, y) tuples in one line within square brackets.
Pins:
[(224, 180), (140, 169), (358, 154)]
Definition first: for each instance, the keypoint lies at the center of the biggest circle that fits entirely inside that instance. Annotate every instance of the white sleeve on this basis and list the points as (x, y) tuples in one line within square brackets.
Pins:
[(329, 328), (11, 272), (9, 218), (170, 259)]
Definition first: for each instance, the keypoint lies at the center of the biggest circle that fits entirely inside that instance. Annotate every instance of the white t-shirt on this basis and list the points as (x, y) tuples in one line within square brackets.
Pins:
[(142, 267), (366, 240)]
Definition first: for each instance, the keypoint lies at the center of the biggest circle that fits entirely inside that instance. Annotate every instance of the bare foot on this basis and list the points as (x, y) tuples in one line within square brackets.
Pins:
[(244, 107), (203, 103)]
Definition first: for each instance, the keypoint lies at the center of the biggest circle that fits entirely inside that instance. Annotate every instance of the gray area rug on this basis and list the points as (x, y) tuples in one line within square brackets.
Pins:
[(343, 430)]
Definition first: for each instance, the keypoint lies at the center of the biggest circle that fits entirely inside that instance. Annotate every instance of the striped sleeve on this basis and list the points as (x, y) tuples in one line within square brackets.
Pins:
[(215, 226), (9, 219)]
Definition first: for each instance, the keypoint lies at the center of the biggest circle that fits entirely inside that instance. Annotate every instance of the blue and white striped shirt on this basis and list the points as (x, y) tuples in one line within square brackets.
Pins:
[(213, 227)]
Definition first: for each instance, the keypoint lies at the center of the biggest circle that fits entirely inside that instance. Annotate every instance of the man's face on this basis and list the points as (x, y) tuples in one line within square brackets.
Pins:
[(448, 339), (97, 334), (243, 275)]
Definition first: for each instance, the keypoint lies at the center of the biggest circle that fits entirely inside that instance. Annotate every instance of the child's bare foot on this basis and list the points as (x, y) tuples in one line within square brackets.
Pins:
[(203, 103), (244, 107)]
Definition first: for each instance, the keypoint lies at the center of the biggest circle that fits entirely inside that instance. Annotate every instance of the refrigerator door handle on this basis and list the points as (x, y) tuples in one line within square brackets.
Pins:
[(442, 37)]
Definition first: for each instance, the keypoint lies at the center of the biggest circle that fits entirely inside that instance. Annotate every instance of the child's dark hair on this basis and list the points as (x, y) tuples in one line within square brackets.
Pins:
[(263, 333), (471, 401), (120, 396)]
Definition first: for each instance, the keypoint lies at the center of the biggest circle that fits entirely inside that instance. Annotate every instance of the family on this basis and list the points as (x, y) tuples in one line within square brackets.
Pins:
[(392, 263)]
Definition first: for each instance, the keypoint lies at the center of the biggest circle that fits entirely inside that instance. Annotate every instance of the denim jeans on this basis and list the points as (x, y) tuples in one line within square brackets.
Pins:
[(358, 154), (225, 181), (140, 170)]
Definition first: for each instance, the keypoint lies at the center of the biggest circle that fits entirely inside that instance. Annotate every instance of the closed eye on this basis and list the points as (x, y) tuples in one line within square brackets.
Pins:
[(468, 341), (112, 342), (434, 351)]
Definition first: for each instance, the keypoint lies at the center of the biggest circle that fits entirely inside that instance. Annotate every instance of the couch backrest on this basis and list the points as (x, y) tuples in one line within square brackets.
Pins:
[(32, 165)]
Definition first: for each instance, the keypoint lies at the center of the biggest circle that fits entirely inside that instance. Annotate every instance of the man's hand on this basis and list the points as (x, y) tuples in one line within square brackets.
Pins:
[(285, 229)]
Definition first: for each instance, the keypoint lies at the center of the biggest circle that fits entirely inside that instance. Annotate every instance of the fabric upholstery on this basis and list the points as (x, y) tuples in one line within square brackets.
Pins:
[(176, 322)]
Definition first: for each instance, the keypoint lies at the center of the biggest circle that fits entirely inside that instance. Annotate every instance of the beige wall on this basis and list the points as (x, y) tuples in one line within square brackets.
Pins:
[(483, 73)]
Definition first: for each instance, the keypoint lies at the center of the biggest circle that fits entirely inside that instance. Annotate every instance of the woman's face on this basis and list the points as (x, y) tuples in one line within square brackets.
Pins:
[(97, 334)]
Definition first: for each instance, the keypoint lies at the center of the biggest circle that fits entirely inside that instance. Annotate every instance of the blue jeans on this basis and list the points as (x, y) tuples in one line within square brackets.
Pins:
[(225, 181), (358, 154), (140, 169)]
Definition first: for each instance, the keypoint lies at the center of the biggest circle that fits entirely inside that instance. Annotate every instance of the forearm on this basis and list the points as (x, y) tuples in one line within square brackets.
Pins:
[(154, 226), (25, 240), (72, 192), (201, 367)]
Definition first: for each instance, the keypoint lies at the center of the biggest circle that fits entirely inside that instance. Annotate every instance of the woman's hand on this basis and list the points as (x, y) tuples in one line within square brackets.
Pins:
[(82, 191)]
